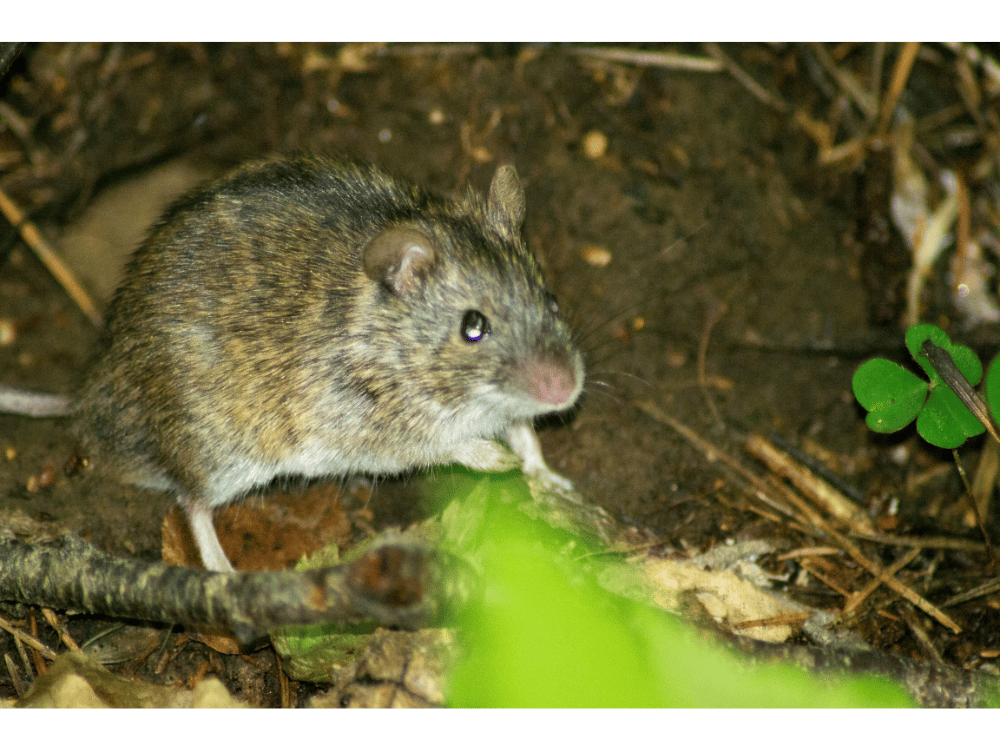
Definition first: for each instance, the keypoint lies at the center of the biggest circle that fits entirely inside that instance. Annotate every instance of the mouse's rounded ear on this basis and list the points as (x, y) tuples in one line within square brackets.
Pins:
[(505, 205), (397, 258)]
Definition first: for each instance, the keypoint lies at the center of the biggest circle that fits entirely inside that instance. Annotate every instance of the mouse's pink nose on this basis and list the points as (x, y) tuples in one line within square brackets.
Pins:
[(550, 382)]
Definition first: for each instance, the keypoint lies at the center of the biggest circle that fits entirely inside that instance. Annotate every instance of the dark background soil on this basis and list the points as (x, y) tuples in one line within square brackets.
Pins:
[(718, 221)]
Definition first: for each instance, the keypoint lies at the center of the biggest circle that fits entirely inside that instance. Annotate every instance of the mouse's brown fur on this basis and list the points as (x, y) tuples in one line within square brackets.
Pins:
[(316, 316)]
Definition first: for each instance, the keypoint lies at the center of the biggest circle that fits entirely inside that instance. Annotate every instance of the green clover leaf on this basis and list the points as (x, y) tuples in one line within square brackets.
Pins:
[(964, 358), (894, 396), (992, 385)]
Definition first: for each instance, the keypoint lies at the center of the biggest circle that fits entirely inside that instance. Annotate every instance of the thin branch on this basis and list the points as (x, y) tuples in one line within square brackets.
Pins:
[(758, 91), (816, 489), (855, 600), (395, 583), (928, 542), (984, 589), (815, 518), (29, 640), (864, 101), (669, 60), (900, 75), (50, 259)]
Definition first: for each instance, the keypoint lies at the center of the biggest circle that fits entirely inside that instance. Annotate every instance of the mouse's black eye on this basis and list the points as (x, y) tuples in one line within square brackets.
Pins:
[(475, 326)]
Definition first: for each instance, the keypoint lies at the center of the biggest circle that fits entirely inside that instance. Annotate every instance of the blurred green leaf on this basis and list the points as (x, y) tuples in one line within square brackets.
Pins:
[(545, 634)]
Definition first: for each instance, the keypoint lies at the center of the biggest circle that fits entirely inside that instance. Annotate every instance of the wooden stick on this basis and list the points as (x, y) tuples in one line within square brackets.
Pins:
[(863, 100), (669, 60), (50, 259), (762, 94), (854, 600), (927, 542), (817, 520), (900, 75), (816, 489), (36, 644), (53, 620)]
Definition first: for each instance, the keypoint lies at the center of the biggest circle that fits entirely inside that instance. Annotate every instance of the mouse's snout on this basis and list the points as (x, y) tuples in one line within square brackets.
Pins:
[(553, 381)]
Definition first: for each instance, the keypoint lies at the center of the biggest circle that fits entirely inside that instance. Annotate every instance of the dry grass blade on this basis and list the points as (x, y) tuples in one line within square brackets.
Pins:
[(715, 316), (810, 552), (785, 618), (814, 517), (815, 488), (28, 640), (808, 565), (20, 688), (910, 618), (928, 542), (900, 588), (864, 101), (49, 258), (758, 91), (854, 600), (974, 57), (983, 590), (900, 75), (712, 454), (668, 60)]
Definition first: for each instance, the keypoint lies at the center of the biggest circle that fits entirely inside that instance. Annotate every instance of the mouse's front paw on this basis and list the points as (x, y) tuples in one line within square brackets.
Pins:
[(486, 455), (546, 477)]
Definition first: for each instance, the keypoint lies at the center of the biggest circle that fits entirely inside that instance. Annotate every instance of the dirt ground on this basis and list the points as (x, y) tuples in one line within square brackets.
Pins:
[(710, 265)]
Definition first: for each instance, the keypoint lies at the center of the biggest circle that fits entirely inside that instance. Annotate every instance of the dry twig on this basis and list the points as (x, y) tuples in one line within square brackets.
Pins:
[(758, 91), (50, 259), (900, 75), (53, 620), (928, 542), (394, 583), (815, 518), (23, 637), (984, 589), (862, 99), (815, 488), (854, 600), (910, 618), (669, 60)]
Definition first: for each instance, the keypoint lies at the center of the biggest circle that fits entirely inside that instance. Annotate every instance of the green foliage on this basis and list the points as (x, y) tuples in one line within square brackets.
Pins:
[(894, 396), (544, 633), (310, 652)]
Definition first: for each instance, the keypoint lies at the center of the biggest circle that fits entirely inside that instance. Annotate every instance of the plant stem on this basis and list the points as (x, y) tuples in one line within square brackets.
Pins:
[(975, 509)]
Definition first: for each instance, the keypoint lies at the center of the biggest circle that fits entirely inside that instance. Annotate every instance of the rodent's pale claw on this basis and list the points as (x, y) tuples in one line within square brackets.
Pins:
[(547, 477)]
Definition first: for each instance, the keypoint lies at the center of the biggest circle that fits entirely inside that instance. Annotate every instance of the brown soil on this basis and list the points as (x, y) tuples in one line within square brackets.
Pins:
[(723, 234)]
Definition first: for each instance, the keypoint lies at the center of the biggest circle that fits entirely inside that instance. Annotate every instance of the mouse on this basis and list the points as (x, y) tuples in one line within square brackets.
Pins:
[(315, 316)]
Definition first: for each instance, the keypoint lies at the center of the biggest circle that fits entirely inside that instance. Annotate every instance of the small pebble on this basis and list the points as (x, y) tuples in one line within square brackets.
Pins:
[(595, 144), (8, 333), (47, 476), (595, 256)]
